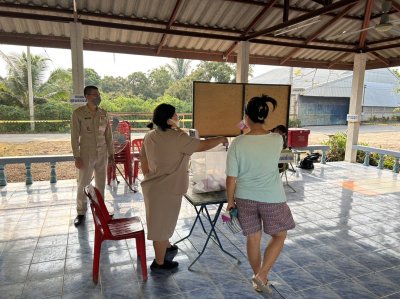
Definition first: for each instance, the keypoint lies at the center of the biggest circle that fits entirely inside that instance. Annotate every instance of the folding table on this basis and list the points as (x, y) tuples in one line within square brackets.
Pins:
[(200, 201)]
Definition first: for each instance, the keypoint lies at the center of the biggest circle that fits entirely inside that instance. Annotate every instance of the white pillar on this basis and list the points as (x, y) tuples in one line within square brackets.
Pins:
[(357, 91), (77, 58), (242, 63), (30, 88)]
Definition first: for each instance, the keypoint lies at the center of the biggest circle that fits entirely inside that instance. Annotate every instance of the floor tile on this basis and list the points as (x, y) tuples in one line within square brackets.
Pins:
[(43, 288), (351, 289), (299, 279), (377, 284), (11, 291)]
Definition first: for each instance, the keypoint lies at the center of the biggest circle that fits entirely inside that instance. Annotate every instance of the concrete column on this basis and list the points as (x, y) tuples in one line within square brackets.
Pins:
[(242, 63), (357, 91), (78, 80)]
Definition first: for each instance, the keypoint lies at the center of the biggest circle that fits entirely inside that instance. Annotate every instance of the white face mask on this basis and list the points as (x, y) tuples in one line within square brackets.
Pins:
[(176, 122)]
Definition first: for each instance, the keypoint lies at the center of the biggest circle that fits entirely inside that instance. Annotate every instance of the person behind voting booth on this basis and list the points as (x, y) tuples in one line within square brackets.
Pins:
[(92, 147), (254, 186), (281, 130), (164, 159)]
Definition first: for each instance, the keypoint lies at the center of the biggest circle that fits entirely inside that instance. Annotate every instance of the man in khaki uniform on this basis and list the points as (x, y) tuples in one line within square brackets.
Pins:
[(92, 147)]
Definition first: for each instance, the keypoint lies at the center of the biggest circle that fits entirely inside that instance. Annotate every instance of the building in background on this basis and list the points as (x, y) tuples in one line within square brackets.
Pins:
[(321, 96)]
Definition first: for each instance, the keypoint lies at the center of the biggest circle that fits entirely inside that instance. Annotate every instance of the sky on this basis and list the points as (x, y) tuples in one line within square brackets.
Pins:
[(103, 63)]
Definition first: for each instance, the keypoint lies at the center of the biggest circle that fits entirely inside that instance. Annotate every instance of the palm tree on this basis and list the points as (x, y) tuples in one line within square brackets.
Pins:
[(179, 68), (16, 84)]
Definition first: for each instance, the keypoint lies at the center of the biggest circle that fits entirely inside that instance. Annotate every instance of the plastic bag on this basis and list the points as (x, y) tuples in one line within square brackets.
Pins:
[(230, 218), (208, 170)]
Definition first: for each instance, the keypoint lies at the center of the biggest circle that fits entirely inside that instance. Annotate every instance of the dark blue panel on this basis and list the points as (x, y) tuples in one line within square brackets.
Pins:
[(322, 111)]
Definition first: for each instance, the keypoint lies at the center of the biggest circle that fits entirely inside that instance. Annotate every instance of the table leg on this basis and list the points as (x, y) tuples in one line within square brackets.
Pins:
[(212, 231), (194, 223)]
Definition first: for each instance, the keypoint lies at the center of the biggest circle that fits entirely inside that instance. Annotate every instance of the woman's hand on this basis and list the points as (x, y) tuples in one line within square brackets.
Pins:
[(231, 205)]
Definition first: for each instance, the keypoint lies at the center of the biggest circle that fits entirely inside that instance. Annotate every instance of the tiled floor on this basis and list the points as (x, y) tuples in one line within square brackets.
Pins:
[(346, 244)]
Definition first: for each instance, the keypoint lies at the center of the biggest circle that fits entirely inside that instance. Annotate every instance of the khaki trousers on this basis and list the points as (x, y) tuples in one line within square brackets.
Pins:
[(94, 161)]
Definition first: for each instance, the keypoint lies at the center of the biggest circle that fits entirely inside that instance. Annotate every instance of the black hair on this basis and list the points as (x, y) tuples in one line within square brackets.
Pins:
[(280, 128), (257, 108), (161, 115), (89, 88)]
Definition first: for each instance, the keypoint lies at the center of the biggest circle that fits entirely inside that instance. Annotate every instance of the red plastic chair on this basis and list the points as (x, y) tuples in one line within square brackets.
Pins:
[(136, 150), (122, 153), (107, 228)]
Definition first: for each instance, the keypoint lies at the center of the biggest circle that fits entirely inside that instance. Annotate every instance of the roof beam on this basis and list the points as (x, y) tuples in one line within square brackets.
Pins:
[(292, 8), (286, 6), (323, 2), (338, 59), (386, 47), (367, 18), (319, 31), (381, 58), (302, 18), (382, 41), (251, 25), (64, 43), (396, 5), (170, 22)]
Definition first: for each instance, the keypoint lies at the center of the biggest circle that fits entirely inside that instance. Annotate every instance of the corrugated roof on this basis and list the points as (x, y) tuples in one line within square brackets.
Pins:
[(303, 78), (209, 29), (379, 88)]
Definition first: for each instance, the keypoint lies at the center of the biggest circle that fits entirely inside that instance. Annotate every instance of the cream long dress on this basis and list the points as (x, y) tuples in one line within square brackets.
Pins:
[(167, 153)]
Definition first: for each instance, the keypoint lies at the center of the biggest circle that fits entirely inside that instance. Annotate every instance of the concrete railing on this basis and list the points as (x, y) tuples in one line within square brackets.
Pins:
[(312, 148), (28, 160), (381, 152)]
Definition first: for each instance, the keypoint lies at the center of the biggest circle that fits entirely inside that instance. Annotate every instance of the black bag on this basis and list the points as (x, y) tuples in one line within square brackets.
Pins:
[(308, 162)]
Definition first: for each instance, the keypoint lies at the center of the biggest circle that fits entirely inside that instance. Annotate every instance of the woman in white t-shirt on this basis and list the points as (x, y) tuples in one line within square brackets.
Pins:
[(255, 188)]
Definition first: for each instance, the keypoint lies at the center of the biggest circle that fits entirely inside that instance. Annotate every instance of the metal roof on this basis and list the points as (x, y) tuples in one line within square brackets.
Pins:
[(379, 88), (300, 78), (211, 29)]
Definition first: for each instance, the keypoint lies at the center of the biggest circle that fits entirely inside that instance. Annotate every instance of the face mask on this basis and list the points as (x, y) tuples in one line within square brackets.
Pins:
[(97, 101), (173, 123)]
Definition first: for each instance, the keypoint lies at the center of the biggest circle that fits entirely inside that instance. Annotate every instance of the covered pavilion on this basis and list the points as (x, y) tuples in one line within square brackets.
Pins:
[(347, 236)]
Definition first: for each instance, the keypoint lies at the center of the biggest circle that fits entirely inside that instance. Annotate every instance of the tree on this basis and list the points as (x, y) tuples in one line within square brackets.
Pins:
[(179, 68), (115, 85), (16, 84), (58, 86), (160, 80), (92, 77), (216, 71), (139, 85)]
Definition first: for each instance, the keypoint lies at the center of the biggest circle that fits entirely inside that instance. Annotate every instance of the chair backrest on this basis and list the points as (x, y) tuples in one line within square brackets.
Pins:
[(137, 145), (124, 127), (95, 197)]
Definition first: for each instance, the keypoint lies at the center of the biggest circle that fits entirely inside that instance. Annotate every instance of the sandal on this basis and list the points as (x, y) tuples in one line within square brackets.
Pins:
[(264, 287), (255, 287)]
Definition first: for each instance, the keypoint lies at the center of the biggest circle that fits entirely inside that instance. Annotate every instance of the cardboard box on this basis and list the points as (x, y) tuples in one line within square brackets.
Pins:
[(298, 137)]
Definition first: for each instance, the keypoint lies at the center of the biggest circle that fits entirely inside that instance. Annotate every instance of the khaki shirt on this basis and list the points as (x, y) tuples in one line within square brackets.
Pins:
[(90, 131)]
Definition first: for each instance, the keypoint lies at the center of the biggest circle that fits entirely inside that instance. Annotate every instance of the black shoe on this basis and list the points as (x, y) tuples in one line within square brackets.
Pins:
[(171, 252), (79, 219), (168, 265)]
